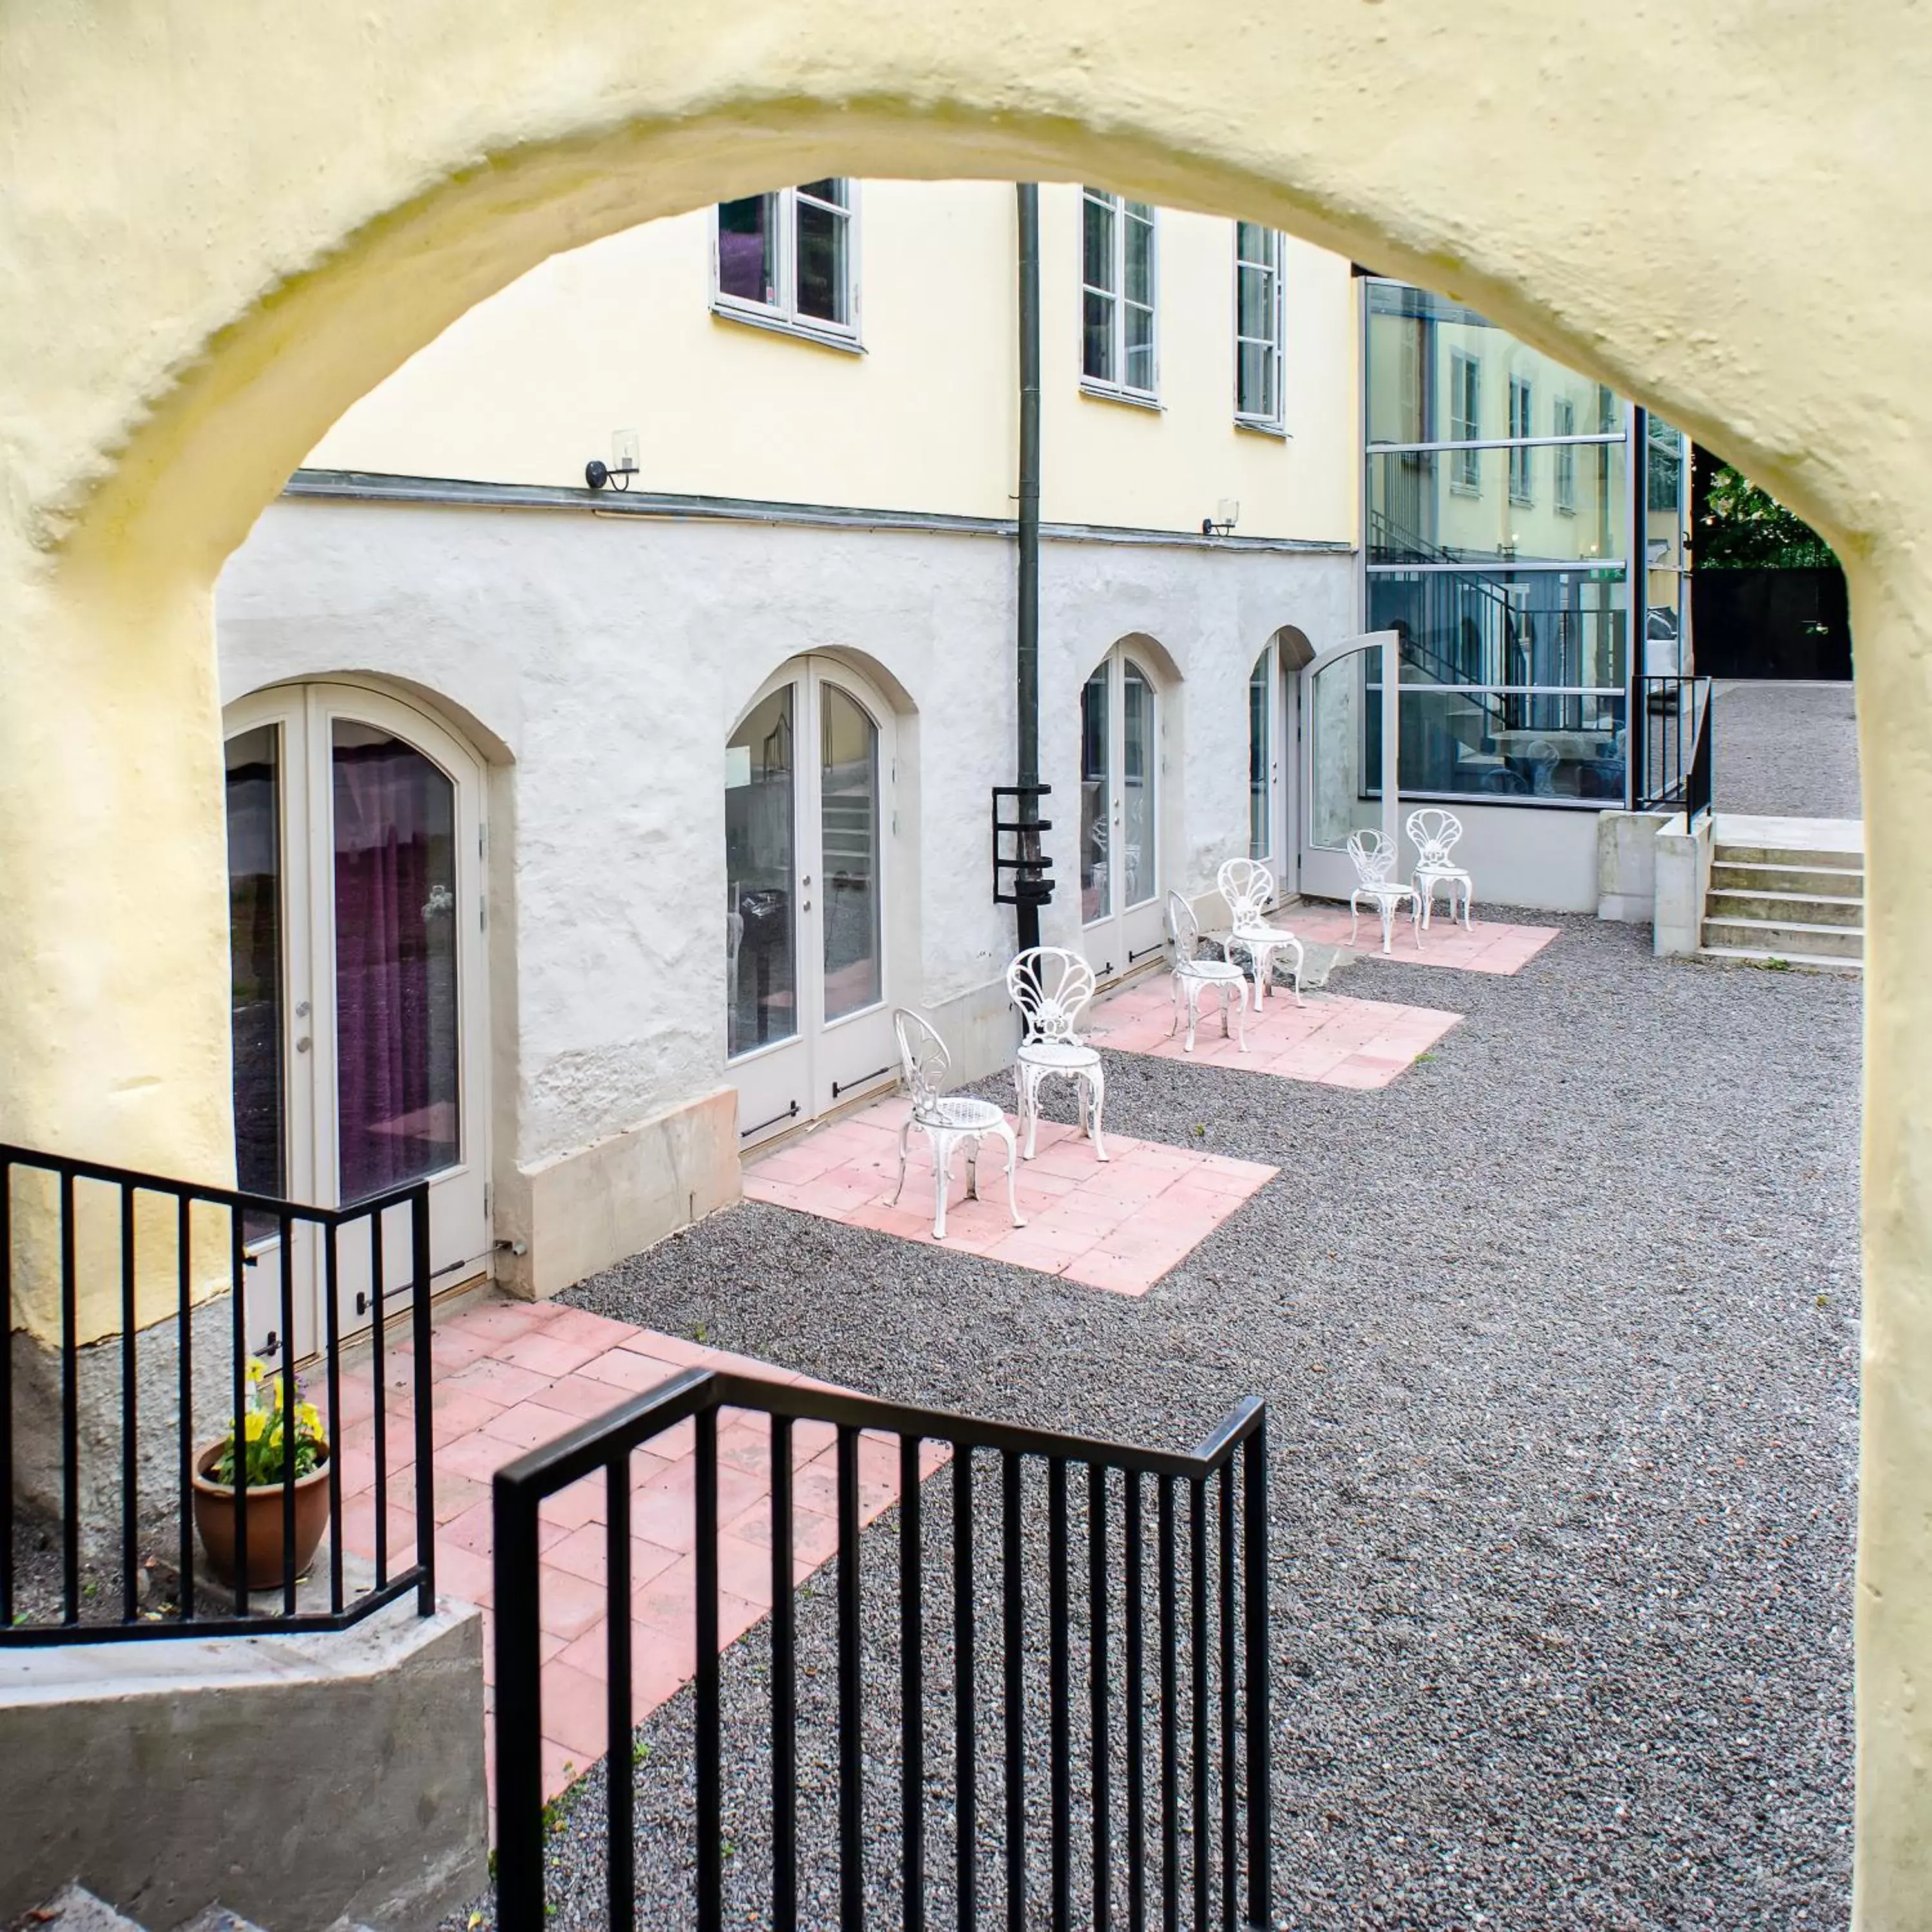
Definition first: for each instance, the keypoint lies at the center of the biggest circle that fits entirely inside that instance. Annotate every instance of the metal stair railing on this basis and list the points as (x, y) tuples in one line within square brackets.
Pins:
[(1207, 1747)]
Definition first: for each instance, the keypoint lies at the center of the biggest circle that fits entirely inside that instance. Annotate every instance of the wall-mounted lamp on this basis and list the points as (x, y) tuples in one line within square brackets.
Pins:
[(1227, 514), (623, 464)]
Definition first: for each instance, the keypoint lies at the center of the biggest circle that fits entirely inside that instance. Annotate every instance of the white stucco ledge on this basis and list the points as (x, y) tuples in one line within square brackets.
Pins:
[(1626, 864), (1682, 873)]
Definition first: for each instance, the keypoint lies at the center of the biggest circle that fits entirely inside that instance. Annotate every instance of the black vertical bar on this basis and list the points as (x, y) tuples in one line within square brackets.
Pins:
[(7, 1397), (1203, 1862), (130, 1473), (379, 1438), (710, 1808), (520, 1833), (1255, 1631), (621, 1853), (1637, 725), (331, 1232), (912, 1692), (1059, 1696), (1230, 1848), (288, 1319), (851, 1744), (1170, 1675), (1012, 1590), (966, 1771), (1096, 1683), (1026, 843), (784, 1688), (69, 1409), (425, 1404), (239, 1388), (1134, 1528), (184, 1393)]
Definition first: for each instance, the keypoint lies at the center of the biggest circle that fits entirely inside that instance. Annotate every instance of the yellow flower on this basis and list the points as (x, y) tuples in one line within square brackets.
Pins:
[(253, 1424), (305, 1415), (256, 1370)]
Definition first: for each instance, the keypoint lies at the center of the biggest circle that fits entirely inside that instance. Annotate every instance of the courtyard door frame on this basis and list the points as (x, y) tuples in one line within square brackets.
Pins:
[(303, 715), (1124, 936), (1333, 748), (1281, 685), (825, 1063)]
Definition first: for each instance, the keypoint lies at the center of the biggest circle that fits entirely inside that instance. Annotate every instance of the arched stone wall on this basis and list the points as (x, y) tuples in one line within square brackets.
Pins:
[(220, 223)]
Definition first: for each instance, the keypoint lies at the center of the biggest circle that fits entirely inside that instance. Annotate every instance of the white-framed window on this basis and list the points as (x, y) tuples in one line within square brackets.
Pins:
[(1522, 414), (789, 259), (1466, 420), (1564, 422), (1116, 332), (1258, 325)]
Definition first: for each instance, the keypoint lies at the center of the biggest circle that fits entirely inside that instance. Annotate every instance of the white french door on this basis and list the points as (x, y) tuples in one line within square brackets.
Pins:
[(1121, 908), (355, 893), (809, 773), (1273, 795), (1348, 740)]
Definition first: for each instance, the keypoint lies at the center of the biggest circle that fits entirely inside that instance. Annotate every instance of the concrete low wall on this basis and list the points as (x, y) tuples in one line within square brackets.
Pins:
[(1626, 864), (1683, 875), (295, 1779)]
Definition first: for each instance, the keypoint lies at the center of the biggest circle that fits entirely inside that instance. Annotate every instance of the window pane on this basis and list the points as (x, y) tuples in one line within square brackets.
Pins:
[(834, 191), (396, 1031), (1097, 254), (1256, 397), (748, 265), (849, 829), (1255, 314), (1139, 285), (762, 1002), (253, 761), (1139, 374), (1344, 750), (1096, 338), (1429, 506), (1259, 756), (822, 283), (1557, 627), (1512, 744), (1254, 243), (1138, 843), (1096, 894)]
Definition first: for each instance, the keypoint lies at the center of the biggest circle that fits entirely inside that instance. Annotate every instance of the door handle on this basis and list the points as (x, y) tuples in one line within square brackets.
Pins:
[(303, 1045)]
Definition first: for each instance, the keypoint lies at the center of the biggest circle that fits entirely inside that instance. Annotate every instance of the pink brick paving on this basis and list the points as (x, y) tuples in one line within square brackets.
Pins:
[(1120, 1226), (1488, 947), (510, 1375), (1332, 1041)]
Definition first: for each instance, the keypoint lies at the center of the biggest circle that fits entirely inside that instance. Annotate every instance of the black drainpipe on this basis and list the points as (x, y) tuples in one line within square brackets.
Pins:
[(1032, 888)]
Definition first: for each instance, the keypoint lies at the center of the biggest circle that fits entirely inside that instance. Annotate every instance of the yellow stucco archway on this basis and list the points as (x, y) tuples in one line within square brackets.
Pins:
[(222, 221)]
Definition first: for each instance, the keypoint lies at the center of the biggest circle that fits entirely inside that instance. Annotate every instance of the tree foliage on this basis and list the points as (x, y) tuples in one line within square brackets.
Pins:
[(1740, 526)]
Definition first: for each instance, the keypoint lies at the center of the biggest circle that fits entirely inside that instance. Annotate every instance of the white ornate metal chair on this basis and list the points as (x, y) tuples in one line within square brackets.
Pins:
[(1374, 855), (1434, 833), (1194, 976), (1052, 986), (946, 1120), (1249, 888), (1542, 757)]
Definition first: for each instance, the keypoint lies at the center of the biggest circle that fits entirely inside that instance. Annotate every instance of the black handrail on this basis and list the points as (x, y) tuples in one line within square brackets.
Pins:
[(1675, 769), (1241, 1790), (51, 1231)]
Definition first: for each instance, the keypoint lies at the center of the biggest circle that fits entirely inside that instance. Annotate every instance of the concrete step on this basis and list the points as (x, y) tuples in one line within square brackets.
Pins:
[(1753, 956), (1786, 939), (218, 1918), (1819, 881), (1787, 908), (74, 1909), (1787, 855)]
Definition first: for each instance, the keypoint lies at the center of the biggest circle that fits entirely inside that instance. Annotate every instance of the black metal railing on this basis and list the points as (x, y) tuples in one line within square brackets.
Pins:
[(1201, 1733), (115, 1455), (1673, 770)]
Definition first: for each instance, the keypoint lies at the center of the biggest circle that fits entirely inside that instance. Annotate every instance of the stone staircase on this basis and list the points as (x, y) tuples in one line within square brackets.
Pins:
[(74, 1909), (1798, 904)]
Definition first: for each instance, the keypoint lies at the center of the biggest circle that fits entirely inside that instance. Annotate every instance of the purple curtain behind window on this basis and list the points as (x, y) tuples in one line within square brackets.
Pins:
[(395, 979)]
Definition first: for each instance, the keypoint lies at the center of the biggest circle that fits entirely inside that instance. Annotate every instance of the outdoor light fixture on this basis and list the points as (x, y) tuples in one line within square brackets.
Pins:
[(623, 464), (1227, 514)]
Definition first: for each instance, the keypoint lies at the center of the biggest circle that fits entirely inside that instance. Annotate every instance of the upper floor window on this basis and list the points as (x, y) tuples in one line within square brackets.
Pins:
[(1258, 326), (1564, 424), (1522, 411), (788, 259), (1466, 420), (1117, 337)]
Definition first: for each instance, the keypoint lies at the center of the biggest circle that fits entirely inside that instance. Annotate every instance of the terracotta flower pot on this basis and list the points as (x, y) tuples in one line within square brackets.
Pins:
[(214, 1521)]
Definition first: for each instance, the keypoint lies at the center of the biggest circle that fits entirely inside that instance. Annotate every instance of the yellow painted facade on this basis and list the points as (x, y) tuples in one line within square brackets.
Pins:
[(920, 413), (222, 222)]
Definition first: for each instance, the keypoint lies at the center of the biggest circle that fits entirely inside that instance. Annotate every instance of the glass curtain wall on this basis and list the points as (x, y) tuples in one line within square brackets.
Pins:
[(1498, 501)]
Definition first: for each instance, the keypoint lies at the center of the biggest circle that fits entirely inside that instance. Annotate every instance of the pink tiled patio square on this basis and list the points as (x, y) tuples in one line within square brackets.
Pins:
[(1120, 1225), (1488, 945), (1332, 1041), (509, 1376)]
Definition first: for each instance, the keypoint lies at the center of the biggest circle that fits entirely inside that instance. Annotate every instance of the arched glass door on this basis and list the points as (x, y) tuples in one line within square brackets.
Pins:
[(1120, 815), (807, 1024), (1272, 805), (355, 831), (1348, 742)]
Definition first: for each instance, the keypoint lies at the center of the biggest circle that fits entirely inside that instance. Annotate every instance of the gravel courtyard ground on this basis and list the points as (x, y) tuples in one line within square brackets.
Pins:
[(1785, 750), (1558, 1335)]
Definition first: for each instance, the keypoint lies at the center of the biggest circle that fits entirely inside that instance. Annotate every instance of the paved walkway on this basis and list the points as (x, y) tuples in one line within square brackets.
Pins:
[(1488, 945), (1788, 750)]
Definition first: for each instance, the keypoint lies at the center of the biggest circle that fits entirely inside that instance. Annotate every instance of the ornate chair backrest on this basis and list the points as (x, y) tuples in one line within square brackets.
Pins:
[(1433, 832), (922, 1058), (1183, 929), (1050, 986), (734, 938), (1374, 854), (1249, 888), (1542, 757)]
